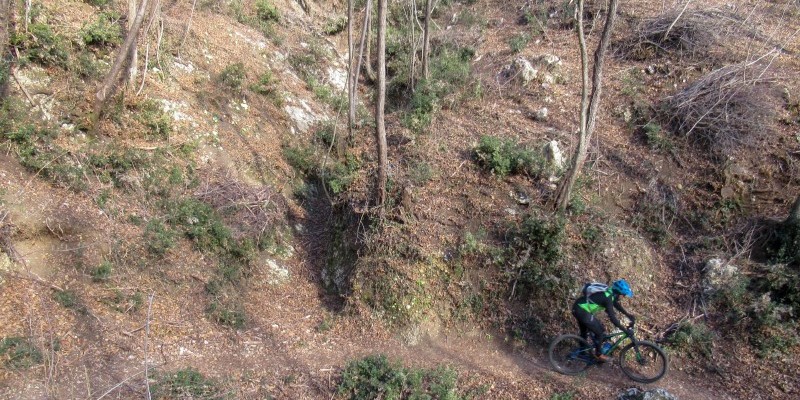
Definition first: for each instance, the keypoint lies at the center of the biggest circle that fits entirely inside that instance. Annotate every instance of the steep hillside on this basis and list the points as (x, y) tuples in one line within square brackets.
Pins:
[(214, 233)]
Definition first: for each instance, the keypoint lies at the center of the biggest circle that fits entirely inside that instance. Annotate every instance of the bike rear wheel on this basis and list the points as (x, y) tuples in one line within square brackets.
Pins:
[(570, 354), (645, 363)]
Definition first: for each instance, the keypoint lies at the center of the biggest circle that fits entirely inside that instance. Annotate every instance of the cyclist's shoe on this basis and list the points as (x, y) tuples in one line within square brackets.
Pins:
[(602, 358)]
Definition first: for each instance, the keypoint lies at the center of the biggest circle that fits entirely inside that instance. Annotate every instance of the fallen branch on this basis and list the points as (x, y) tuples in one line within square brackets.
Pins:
[(113, 388)]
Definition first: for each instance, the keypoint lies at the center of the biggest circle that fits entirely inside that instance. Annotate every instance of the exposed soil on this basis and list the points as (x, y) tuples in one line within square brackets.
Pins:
[(152, 311)]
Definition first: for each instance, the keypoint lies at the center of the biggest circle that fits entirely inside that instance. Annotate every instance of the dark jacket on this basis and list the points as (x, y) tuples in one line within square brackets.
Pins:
[(596, 302)]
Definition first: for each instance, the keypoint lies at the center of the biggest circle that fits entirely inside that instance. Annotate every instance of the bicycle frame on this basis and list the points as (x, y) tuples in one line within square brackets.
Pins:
[(616, 343), (586, 354)]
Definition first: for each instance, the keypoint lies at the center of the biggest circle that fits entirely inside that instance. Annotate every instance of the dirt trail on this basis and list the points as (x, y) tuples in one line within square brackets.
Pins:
[(527, 373)]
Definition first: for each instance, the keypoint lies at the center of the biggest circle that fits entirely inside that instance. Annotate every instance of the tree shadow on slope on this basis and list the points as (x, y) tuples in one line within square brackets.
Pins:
[(329, 242)]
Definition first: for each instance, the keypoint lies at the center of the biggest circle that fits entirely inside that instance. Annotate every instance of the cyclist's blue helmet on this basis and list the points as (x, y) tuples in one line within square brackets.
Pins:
[(621, 287)]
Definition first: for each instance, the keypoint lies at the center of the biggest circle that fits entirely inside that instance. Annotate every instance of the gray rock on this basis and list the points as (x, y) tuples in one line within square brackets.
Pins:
[(553, 156), (523, 70), (652, 394), (719, 275), (549, 61), (277, 273)]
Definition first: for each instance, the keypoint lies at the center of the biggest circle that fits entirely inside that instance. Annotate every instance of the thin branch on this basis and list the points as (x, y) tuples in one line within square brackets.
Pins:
[(25, 91), (144, 71), (146, 338), (666, 33), (188, 25), (113, 388)]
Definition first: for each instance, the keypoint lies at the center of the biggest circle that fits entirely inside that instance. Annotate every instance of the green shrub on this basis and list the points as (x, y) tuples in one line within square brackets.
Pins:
[(267, 11), (518, 42), (226, 314), (326, 94), (335, 25), (67, 298), (694, 339), (125, 303), (200, 223), (186, 384), (656, 137), (41, 45), (102, 272), (534, 272), (158, 237), (305, 64), (112, 163), (158, 122), (233, 76), (98, 3), (563, 396), (425, 103), (420, 172), (301, 158), (265, 85), (20, 353), (87, 67), (505, 157), (102, 32), (376, 377), (37, 152), (339, 175), (450, 72)]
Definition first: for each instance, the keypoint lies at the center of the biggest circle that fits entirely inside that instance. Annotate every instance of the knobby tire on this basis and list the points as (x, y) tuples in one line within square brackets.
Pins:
[(570, 354), (647, 365)]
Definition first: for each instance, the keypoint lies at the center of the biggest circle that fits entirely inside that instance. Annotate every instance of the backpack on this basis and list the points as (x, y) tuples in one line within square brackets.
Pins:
[(592, 288)]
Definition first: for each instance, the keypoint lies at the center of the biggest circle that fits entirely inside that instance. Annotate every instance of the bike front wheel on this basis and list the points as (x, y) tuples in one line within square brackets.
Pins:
[(570, 354), (645, 363)]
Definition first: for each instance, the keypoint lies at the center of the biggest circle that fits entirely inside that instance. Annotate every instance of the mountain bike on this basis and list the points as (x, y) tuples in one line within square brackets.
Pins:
[(641, 360)]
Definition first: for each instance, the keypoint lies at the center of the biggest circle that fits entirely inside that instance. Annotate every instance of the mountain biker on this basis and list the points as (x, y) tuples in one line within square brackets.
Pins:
[(587, 306)]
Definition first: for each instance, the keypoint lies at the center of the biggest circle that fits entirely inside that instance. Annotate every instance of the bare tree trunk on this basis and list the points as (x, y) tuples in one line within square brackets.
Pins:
[(188, 25), (412, 19), (364, 39), (351, 82), (426, 38), (6, 24), (380, 130), (368, 57), (588, 108), (597, 68), (565, 190), (27, 14), (133, 65), (110, 83)]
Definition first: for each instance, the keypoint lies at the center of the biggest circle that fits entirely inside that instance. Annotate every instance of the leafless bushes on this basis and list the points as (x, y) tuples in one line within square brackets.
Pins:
[(725, 109), (685, 33), (256, 210)]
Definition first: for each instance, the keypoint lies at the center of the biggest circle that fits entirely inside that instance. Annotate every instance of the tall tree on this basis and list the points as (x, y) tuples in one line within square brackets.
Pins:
[(426, 38), (590, 102), (380, 127), (6, 24), (133, 59), (110, 82), (351, 81), (364, 38)]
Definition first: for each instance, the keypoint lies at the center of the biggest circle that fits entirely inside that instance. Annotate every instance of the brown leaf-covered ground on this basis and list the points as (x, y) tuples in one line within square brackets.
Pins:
[(152, 312)]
